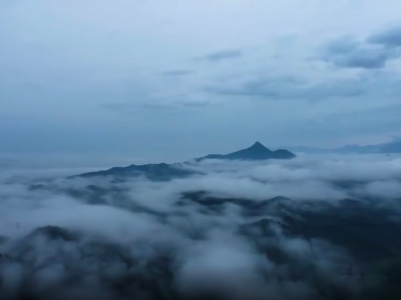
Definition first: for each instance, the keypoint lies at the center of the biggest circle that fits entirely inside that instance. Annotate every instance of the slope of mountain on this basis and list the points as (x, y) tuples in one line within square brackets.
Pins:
[(152, 171), (167, 171)]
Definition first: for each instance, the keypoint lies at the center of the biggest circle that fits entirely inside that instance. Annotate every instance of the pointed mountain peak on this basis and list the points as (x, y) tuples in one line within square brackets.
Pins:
[(258, 146)]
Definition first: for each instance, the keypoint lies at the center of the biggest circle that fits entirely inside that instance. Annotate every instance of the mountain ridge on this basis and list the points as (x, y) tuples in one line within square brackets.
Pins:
[(163, 171)]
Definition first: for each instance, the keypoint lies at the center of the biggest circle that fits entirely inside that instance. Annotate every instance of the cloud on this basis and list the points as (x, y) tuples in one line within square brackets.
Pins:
[(181, 102), (281, 88), (175, 105), (389, 38), (221, 55), (359, 120), (350, 53), (177, 73), (126, 56), (373, 53), (144, 239)]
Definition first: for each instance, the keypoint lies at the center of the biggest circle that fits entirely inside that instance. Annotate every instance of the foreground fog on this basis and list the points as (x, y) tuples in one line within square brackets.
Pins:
[(141, 239)]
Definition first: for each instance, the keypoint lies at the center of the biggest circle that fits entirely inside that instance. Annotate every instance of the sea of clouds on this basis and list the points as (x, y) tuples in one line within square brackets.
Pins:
[(139, 241)]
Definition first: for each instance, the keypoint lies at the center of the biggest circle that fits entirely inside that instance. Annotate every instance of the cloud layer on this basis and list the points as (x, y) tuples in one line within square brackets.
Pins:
[(212, 235)]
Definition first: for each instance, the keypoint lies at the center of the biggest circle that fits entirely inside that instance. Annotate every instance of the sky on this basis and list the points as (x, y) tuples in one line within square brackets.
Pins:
[(179, 78)]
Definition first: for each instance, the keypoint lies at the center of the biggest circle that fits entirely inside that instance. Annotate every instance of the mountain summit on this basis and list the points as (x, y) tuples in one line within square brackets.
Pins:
[(256, 152), (257, 146)]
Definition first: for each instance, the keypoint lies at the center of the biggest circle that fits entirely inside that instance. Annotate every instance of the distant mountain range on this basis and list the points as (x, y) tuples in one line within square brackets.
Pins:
[(385, 148), (165, 171)]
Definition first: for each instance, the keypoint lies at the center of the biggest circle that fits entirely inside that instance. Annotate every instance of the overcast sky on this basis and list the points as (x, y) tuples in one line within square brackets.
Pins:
[(179, 78)]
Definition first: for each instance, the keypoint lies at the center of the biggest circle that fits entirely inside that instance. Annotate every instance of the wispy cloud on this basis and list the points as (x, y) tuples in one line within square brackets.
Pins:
[(281, 88), (178, 73), (221, 55), (372, 53)]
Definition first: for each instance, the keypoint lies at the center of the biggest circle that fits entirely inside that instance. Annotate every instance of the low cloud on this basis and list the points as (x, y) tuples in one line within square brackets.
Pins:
[(216, 234)]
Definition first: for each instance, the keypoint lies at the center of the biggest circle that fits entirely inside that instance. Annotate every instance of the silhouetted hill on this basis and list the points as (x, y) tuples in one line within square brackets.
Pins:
[(152, 171), (256, 152), (167, 171)]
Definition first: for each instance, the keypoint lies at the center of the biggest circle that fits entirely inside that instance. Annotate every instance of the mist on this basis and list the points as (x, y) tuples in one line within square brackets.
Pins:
[(224, 233)]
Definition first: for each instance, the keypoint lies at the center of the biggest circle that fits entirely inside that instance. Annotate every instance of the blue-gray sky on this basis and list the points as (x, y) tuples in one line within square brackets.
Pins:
[(178, 78)]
